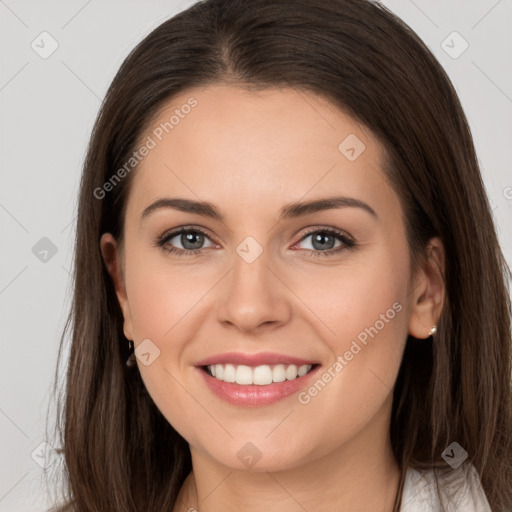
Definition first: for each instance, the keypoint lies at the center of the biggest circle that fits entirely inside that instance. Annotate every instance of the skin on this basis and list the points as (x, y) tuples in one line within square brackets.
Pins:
[(250, 154)]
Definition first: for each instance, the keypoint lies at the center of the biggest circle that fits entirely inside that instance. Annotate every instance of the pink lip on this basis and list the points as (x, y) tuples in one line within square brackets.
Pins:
[(254, 395), (258, 359)]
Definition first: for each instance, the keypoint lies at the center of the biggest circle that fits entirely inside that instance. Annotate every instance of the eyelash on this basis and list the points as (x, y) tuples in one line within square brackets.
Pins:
[(347, 242)]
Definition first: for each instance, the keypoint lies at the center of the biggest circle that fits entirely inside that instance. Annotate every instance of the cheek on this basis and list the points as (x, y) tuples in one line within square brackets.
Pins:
[(161, 295), (363, 319), (165, 302), (364, 293), (162, 375)]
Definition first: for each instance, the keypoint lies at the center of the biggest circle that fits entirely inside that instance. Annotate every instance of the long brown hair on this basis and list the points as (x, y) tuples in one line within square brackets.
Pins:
[(120, 453)]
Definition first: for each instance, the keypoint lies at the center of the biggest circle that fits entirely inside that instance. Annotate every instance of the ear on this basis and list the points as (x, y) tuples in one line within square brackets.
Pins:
[(113, 262), (428, 291)]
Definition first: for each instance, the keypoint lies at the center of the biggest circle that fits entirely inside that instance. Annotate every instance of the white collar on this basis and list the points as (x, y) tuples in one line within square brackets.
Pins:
[(420, 492)]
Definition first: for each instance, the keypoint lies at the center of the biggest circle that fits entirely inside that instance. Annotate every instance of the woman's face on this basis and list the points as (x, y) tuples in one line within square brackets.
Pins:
[(264, 284)]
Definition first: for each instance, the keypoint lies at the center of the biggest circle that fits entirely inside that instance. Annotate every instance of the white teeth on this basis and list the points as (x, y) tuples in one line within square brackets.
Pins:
[(302, 370), (229, 373), (243, 374), (291, 372), (260, 375), (278, 373)]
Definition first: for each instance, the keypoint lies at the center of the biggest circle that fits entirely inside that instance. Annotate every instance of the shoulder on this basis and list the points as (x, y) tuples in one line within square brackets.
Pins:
[(458, 489)]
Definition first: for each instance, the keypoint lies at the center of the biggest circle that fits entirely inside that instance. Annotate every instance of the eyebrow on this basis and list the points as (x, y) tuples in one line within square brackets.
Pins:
[(290, 211)]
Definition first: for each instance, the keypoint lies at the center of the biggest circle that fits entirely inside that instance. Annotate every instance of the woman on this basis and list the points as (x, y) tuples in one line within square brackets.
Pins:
[(289, 293)]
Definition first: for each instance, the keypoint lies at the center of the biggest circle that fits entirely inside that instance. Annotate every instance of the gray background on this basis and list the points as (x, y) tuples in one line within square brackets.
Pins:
[(48, 107)]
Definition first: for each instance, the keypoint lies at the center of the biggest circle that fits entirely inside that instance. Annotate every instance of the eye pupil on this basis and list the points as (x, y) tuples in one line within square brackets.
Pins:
[(321, 238), (196, 239)]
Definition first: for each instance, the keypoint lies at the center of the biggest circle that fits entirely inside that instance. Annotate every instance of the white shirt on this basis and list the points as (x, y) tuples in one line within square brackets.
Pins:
[(420, 491)]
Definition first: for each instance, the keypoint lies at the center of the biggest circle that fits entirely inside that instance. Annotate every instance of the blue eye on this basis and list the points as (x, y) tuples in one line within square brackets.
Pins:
[(324, 241), (192, 240), (325, 238)]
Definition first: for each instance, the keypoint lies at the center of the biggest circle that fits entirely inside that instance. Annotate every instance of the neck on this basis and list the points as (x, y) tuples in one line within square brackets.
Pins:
[(357, 476)]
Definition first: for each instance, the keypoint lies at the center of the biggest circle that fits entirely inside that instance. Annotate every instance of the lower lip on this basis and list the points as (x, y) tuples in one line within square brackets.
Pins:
[(254, 395)]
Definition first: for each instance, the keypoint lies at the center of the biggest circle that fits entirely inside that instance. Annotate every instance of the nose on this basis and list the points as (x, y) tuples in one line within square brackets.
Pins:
[(254, 296)]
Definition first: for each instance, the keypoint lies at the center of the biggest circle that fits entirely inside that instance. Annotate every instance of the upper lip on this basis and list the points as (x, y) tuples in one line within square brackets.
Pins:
[(261, 358)]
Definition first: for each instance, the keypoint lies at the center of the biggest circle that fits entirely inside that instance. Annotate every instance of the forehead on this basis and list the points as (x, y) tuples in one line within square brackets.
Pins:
[(237, 147)]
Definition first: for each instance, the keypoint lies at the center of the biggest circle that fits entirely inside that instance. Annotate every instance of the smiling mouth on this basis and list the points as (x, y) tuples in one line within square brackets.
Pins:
[(261, 375)]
